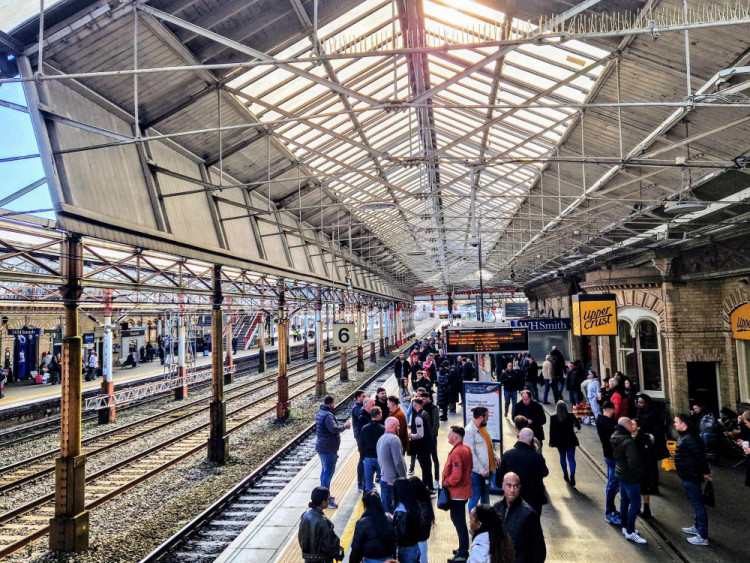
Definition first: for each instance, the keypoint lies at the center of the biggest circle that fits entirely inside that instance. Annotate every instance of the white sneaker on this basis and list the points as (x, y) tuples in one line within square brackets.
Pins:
[(625, 532), (410, 472), (698, 540), (690, 530), (635, 538), (435, 485)]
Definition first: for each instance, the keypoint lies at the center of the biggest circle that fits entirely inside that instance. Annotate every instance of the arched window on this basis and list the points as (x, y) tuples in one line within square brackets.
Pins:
[(639, 350), (551, 314)]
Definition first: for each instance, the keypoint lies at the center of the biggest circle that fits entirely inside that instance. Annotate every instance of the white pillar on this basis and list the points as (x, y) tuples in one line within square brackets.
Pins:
[(107, 359), (181, 340), (307, 327)]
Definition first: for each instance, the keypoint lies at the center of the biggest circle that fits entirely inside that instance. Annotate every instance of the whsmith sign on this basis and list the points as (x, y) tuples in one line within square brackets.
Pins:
[(542, 325), (740, 320), (595, 314)]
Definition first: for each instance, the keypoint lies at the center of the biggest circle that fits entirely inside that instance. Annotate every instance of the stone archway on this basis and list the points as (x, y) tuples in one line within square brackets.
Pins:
[(738, 297), (643, 299)]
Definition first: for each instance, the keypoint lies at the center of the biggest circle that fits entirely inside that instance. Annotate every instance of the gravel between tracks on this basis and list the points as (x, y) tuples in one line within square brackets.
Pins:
[(154, 510)]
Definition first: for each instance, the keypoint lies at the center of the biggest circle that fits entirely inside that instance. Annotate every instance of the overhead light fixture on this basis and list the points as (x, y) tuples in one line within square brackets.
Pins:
[(686, 202), (473, 241), (378, 206), (576, 254), (416, 253)]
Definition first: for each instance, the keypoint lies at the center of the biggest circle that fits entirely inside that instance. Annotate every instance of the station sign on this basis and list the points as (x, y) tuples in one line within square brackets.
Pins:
[(88, 338), (516, 309), (134, 332), (543, 325), (740, 321), (595, 314), (343, 335), (25, 331), (490, 340)]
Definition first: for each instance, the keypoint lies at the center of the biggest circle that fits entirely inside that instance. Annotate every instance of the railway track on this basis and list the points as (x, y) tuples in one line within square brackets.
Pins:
[(205, 537), (28, 470), (24, 432), (29, 522)]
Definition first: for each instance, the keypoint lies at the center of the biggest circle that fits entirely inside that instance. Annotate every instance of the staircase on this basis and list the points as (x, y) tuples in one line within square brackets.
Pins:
[(245, 329)]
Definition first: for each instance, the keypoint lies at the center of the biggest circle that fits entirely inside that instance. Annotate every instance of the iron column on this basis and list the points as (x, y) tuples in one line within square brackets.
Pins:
[(282, 405), (218, 441)]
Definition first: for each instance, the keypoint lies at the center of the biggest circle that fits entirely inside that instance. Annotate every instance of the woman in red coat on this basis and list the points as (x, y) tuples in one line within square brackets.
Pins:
[(618, 397), (457, 479)]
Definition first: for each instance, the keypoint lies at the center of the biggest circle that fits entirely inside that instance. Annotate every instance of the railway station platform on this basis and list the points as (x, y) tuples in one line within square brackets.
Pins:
[(26, 392), (573, 520)]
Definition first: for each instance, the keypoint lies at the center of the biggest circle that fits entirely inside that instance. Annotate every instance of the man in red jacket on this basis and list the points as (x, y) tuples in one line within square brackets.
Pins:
[(457, 479)]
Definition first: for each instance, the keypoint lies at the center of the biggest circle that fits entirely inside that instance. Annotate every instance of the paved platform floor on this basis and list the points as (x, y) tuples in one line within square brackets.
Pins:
[(27, 392)]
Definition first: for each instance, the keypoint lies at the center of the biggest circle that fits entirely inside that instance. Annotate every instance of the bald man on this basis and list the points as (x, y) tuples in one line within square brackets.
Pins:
[(529, 465), (391, 462), (629, 470), (521, 521)]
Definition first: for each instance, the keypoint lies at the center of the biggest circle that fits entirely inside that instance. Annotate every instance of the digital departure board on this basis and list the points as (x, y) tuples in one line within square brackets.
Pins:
[(481, 340)]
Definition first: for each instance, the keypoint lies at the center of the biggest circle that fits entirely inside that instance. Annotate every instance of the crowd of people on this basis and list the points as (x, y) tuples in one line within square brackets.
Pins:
[(399, 506)]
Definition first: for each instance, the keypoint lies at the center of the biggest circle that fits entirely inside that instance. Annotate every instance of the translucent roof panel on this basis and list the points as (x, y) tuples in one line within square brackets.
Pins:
[(377, 130)]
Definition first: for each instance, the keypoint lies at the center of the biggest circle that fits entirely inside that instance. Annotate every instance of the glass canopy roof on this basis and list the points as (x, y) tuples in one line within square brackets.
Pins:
[(417, 160)]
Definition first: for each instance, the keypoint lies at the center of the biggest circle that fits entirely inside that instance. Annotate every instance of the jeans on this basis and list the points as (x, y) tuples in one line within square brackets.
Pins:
[(386, 496), (630, 504), (408, 554), (458, 517), (480, 491), (546, 390), (328, 462), (534, 388), (361, 472), (694, 493), (368, 560), (571, 460), (423, 551), (371, 468), (613, 485), (510, 399)]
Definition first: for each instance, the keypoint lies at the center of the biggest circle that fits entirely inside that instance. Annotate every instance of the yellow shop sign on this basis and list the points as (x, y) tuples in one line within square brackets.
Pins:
[(740, 321), (594, 314)]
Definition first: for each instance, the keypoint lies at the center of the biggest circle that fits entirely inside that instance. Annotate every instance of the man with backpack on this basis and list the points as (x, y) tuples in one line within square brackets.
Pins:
[(512, 380)]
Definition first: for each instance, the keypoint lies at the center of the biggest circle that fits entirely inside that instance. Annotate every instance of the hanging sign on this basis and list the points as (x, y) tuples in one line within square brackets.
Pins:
[(25, 331), (343, 335), (740, 321), (595, 314), (485, 394), (88, 338), (517, 309), (496, 339), (543, 325)]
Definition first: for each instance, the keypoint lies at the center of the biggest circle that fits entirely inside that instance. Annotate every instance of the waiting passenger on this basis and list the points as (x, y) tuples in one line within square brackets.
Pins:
[(391, 462), (427, 514), (629, 470), (316, 537), (374, 535), (407, 520), (692, 468), (562, 426), (522, 522), (457, 479), (328, 439), (491, 544), (368, 444), (529, 464)]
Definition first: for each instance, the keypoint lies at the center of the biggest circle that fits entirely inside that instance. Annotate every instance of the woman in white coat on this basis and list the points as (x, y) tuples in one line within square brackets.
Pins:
[(491, 544)]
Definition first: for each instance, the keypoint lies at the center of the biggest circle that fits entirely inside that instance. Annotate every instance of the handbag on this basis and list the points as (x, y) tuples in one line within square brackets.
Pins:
[(708, 495), (444, 499)]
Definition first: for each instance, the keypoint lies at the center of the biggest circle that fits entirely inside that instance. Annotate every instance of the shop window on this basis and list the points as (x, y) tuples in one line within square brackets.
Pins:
[(743, 368), (551, 314), (625, 349), (639, 353), (650, 356)]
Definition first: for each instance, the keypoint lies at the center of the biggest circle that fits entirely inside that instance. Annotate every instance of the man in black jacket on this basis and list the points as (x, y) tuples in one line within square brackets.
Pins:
[(534, 413), (529, 465), (317, 540), (434, 413), (521, 522), (605, 427), (359, 399), (368, 442), (629, 470), (512, 380), (381, 401), (401, 368), (692, 468)]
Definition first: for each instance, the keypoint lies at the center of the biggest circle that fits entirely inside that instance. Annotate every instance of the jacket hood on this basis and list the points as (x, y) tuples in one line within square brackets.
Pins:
[(620, 435), (326, 408)]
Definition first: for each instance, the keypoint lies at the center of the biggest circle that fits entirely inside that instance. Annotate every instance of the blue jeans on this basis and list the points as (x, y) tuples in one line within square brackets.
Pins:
[(371, 468), (510, 399), (630, 504), (423, 551), (694, 493), (534, 388), (328, 462), (480, 491), (386, 496), (546, 390), (384, 560), (613, 485), (408, 554), (571, 460)]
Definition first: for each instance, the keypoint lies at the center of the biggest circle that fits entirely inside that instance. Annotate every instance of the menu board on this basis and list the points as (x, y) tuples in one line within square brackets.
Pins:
[(480, 340)]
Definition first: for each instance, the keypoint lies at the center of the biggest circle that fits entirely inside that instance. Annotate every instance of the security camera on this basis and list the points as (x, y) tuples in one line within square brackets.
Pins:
[(473, 241)]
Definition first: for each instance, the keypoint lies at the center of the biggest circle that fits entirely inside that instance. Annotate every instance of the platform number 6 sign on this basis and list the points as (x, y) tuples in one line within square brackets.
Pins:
[(343, 334)]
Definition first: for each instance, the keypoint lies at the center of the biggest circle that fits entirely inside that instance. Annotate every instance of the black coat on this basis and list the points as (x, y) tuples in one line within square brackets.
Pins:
[(531, 468), (650, 422), (383, 408), (562, 435), (605, 426), (532, 373), (558, 362), (357, 411), (371, 541), (368, 439), (690, 457), (524, 528), (628, 459), (317, 538), (512, 380), (443, 389), (401, 369), (455, 380), (534, 412), (468, 373)]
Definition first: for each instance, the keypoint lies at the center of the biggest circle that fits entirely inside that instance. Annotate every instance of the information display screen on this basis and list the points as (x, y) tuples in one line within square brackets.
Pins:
[(480, 340)]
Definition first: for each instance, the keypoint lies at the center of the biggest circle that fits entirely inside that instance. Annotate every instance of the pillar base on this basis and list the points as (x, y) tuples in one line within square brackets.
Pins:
[(282, 410), (261, 361), (107, 415), (228, 377), (320, 379), (181, 391), (373, 355), (360, 359), (218, 443), (382, 348), (69, 529), (305, 350), (344, 374)]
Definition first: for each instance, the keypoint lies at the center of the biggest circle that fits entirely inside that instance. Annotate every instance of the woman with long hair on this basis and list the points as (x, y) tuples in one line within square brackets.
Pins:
[(426, 514), (407, 521), (491, 544), (562, 427), (374, 538)]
